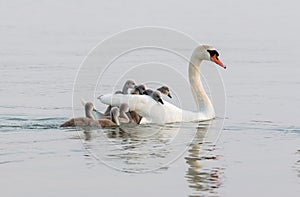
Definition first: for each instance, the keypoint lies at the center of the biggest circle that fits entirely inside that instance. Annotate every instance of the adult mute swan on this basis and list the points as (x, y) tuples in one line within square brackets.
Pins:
[(154, 112)]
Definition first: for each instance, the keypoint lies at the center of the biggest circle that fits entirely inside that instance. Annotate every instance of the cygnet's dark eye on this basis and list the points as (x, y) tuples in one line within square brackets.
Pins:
[(213, 52)]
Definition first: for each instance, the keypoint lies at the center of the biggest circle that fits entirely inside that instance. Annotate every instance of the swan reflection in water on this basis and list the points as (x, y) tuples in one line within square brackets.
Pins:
[(133, 148), (202, 178), (152, 147)]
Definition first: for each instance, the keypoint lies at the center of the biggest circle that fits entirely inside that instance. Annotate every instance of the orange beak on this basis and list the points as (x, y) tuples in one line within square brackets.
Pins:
[(217, 61)]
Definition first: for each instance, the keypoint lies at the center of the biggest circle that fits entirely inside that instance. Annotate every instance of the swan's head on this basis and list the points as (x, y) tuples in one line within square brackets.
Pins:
[(165, 90), (209, 53), (139, 89), (157, 97), (89, 107), (130, 84)]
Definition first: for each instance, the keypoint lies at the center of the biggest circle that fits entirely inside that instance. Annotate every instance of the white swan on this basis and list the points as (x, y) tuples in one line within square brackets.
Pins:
[(154, 112)]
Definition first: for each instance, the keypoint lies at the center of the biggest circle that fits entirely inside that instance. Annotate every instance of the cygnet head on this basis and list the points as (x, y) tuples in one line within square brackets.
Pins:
[(89, 106), (139, 89), (130, 84), (165, 90), (157, 96), (209, 53)]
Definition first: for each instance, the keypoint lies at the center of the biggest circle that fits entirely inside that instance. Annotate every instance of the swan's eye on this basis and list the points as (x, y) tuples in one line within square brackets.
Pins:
[(213, 52)]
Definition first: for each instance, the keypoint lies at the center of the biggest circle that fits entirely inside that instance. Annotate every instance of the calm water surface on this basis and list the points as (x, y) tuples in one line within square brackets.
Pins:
[(258, 152)]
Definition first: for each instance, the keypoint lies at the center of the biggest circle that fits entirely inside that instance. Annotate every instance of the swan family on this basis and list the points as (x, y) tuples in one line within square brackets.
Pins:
[(137, 104)]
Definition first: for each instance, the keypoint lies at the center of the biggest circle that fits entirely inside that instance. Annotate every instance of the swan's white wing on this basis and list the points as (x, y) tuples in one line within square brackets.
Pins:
[(152, 111), (135, 102)]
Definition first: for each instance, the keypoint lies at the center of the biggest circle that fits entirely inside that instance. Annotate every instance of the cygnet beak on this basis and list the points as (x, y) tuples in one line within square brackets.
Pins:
[(160, 100)]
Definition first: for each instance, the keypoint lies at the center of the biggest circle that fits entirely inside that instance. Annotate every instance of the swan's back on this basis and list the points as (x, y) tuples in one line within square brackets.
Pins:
[(144, 105), (106, 123), (152, 111)]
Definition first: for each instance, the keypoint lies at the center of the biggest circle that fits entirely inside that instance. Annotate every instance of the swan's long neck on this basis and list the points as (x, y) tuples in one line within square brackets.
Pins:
[(89, 114), (203, 103), (125, 89)]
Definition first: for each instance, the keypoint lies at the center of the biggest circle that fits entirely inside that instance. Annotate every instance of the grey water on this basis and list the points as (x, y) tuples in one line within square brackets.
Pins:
[(256, 154)]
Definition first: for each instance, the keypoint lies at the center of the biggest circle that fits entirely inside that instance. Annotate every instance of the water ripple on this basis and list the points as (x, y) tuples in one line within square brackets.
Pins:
[(264, 125), (8, 123)]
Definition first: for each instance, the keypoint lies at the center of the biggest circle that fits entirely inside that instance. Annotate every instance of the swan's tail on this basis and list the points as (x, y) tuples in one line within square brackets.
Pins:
[(68, 123)]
